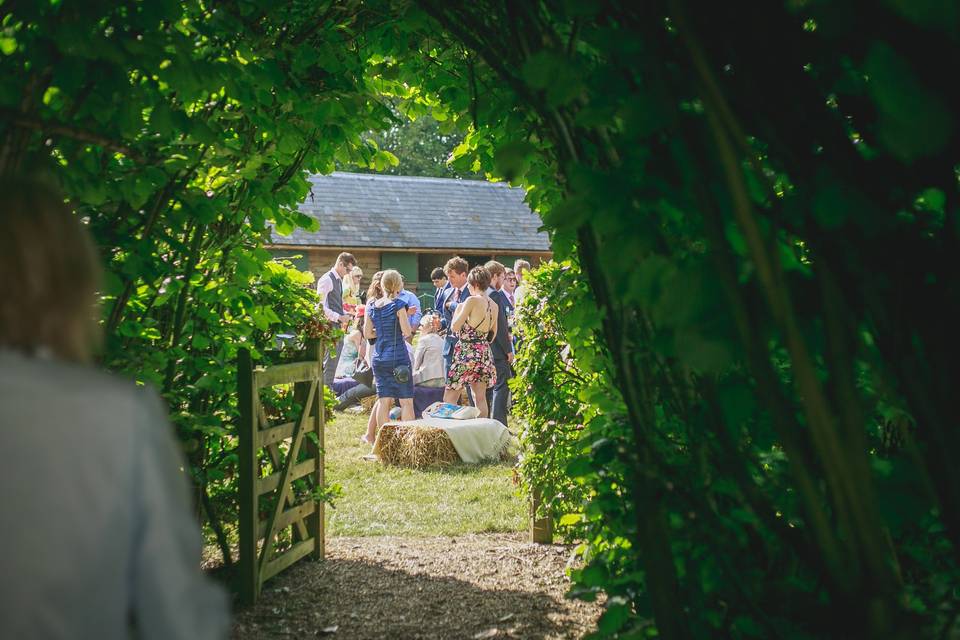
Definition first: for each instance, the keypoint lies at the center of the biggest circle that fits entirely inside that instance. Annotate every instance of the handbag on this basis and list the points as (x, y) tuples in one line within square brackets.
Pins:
[(363, 374), (401, 373)]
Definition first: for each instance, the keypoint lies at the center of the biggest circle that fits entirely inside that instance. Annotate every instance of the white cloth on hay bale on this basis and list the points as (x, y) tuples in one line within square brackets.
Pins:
[(475, 440)]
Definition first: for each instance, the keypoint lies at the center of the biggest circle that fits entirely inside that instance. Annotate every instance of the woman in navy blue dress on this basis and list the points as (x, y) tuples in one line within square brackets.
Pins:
[(388, 322)]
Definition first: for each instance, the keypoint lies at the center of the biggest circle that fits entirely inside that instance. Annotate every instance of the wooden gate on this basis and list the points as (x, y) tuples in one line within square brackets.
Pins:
[(268, 504)]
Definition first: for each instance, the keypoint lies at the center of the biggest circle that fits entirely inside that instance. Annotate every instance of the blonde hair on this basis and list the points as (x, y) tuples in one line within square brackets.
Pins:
[(51, 273), (428, 323), (392, 282)]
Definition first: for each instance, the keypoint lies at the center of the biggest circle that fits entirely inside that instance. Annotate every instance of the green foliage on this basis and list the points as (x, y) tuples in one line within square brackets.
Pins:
[(749, 209), (739, 390), (575, 440), (421, 148), (565, 408), (183, 133)]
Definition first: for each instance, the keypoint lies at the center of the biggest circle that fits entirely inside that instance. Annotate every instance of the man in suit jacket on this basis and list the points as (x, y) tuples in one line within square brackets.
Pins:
[(456, 270), (498, 396), (439, 279)]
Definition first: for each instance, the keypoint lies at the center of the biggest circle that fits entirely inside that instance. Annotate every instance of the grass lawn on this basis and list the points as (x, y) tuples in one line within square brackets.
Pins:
[(379, 500)]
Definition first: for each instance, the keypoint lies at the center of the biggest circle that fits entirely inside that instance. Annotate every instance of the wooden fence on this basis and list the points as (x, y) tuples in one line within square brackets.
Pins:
[(268, 504)]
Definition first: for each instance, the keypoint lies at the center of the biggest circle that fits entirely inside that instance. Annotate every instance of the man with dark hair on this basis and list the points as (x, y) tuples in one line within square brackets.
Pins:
[(330, 290), (498, 396), (456, 271), (439, 279)]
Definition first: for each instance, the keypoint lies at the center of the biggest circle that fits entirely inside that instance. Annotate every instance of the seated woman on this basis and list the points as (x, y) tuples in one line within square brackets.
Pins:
[(476, 323), (102, 537), (428, 356), (387, 321), (353, 346)]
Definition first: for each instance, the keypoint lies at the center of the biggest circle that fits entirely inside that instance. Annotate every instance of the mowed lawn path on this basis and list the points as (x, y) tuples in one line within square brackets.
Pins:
[(431, 554)]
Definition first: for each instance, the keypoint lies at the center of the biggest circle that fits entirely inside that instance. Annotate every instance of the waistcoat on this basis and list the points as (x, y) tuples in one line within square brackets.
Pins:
[(335, 297)]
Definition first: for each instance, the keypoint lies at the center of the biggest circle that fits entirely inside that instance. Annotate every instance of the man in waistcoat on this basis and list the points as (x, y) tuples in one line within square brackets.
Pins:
[(330, 290)]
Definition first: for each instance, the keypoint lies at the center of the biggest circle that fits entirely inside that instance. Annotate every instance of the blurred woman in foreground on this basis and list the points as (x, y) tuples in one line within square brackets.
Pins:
[(100, 539)]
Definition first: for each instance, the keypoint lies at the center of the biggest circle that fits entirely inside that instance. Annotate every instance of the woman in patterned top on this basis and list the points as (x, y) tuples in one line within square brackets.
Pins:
[(476, 322)]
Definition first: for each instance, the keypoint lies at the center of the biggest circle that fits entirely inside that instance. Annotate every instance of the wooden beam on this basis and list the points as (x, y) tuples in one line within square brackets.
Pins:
[(273, 435), (289, 517), (460, 251), (317, 523), (285, 374), (290, 556), (272, 481)]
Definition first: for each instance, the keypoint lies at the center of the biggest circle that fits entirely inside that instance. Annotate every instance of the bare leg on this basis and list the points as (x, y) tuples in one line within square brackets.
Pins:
[(480, 398), (372, 423), (383, 415), (451, 396), (406, 410)]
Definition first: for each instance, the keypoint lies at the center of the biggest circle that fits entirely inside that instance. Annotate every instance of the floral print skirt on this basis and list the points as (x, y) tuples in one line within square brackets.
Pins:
[(472, 362)]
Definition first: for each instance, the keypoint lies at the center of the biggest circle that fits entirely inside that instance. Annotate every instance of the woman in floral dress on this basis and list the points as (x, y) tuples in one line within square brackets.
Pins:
[(476, 323)]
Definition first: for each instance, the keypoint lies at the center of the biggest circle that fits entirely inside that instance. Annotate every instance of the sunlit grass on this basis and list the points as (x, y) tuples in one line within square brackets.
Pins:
[(381, 500)]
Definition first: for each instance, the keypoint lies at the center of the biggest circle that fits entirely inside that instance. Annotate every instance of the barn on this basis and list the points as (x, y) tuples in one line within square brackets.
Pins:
[(412, 224)]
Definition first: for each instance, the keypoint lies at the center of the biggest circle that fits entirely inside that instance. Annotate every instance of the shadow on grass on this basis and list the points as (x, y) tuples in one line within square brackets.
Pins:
[(365, 600), (464, 468)]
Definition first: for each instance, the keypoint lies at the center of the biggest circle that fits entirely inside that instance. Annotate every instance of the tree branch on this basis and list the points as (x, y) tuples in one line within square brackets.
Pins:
[(50, 128)]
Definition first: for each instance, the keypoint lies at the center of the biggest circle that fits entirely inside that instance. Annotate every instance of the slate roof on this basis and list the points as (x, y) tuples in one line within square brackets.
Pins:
[(358, 210)]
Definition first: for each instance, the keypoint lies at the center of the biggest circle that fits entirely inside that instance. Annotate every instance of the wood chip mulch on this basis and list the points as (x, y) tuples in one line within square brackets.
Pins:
[(476, 587)]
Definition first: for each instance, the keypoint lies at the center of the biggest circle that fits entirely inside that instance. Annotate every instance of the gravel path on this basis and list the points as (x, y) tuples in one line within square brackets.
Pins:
[(474, 586)]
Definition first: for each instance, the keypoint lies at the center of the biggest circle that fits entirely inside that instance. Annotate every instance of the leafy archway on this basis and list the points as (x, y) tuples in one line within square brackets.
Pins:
[(764, 216)]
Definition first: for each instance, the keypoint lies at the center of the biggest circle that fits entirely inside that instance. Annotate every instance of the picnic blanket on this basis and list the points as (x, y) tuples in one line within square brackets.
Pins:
[(475, 440)]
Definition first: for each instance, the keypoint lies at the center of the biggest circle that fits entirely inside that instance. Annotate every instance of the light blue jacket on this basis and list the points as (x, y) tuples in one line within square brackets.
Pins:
[(96, 525)]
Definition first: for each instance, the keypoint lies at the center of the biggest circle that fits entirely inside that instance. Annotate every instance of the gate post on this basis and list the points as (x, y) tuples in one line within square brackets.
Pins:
[(316, 521), (247, 581), (541, 528)]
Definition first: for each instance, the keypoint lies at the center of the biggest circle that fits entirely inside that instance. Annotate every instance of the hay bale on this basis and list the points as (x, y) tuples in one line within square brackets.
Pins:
[(367, 403), (414, 446)]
